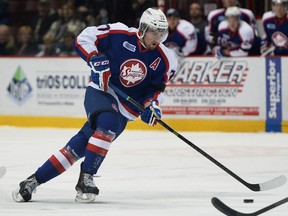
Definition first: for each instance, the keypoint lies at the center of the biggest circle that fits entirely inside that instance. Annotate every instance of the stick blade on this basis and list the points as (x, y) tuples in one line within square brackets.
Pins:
[(274, 183), (222, 207)]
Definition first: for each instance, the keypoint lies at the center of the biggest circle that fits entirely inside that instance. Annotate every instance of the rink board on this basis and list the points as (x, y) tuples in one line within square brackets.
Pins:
[(206, 94)]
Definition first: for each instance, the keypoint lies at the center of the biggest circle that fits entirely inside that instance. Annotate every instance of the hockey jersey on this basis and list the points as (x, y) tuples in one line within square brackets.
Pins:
[(138, 72), (184, 37), (238, 43), (275, 33), (217, 16)]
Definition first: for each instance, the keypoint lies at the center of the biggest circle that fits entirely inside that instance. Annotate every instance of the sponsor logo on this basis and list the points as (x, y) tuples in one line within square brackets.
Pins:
[(19, 87), (280, 39), (106, 62), (62, 82), (210, 79), (132, 72), (273, 94), (129, 46)]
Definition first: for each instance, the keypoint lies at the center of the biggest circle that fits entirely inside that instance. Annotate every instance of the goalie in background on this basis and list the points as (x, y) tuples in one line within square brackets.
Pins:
[(275, 24), (236, 37)]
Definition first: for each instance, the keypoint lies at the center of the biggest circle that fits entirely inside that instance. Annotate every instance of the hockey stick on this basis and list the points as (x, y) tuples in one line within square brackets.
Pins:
[(274, 183), (2, 171), (268, 51), (218, 204)]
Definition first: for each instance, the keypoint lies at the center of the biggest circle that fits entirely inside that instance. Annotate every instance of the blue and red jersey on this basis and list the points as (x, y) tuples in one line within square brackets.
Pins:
[(275, 33), (138, 72)]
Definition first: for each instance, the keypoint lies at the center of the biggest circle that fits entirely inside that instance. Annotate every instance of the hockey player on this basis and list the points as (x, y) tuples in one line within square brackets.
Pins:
[(182, 36), (136, 62), (275, 24), (217, 16), (235, 36)]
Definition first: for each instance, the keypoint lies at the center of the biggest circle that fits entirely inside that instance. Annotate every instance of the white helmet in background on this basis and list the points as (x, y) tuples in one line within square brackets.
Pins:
[(284, 2), (153, 19), (233, 12)]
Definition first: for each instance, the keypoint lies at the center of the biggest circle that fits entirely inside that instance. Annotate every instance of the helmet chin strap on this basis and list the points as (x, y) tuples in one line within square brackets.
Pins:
[(141, 38)]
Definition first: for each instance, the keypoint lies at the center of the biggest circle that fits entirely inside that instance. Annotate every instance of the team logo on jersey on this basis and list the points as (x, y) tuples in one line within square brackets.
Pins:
[(129, 46), (280, 39), (132, 72), (19, 87)]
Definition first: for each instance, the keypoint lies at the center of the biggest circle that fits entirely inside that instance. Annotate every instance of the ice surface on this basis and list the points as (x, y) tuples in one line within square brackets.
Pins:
[(147, 173)]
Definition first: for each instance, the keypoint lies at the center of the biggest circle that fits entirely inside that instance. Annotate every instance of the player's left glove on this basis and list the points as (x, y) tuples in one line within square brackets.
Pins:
[(152, 113), (100, 66)]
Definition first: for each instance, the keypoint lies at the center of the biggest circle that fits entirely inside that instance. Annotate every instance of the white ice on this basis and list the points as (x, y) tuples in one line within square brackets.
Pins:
[(147, 173)]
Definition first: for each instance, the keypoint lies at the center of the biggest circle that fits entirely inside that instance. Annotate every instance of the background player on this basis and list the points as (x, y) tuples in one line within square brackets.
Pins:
[(183, 37), (235, 36), (218, 15), (275, 24), (137, 63)]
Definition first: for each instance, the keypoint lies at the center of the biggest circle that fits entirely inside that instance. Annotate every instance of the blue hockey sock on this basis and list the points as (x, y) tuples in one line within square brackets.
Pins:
[(63, 159)]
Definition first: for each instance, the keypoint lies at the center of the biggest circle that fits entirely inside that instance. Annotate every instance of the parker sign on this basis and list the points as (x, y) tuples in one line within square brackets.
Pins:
[(209, 87)]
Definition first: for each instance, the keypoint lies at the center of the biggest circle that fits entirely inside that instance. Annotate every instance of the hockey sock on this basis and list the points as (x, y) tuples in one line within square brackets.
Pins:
[(100, 141), (62, 159)]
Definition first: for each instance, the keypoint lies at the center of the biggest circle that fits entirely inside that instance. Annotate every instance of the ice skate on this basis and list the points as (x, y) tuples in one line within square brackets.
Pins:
[(86, 189), (25, 190)]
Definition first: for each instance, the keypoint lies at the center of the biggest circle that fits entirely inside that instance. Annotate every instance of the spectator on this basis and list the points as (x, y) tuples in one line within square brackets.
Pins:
[(43, 21), (7, 43), (66, 46), (49, 47), (25, 44), (68, 22), (275, 24), (216, 16), (235, 36), (182, 36), (102, 17), (196, 18), (4, 12)]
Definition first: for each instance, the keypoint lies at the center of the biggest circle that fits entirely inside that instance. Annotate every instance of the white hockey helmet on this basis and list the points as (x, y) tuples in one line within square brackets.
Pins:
[(153, 19), (233, 12), (284, 2)]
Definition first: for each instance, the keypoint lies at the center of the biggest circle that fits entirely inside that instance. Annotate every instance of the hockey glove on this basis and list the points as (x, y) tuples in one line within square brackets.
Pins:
[(151, 114), (101, 71)]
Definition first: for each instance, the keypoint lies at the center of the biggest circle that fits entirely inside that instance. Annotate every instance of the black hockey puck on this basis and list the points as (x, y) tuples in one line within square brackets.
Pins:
[(248, 201)]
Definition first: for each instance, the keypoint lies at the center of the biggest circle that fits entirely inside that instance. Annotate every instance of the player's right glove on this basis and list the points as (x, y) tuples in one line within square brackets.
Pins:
[(151, 113), (101, 71)]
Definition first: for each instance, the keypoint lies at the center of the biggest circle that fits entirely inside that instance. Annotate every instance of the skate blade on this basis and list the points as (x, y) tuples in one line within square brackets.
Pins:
[(85, 197), (17, 196)]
